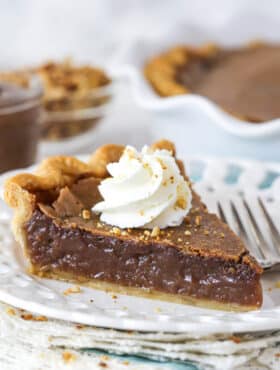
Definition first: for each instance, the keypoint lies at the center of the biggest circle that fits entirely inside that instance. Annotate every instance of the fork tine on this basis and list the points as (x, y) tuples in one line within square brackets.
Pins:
[(225, 214), (256, 252), (273, 229), (263, 246), (221, 212)]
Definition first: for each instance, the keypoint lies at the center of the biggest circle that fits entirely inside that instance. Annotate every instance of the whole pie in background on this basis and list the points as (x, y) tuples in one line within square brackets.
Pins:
[(244, 81)]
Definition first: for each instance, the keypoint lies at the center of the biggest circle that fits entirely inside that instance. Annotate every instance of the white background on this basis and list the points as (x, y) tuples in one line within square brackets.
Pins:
[(33, 30)]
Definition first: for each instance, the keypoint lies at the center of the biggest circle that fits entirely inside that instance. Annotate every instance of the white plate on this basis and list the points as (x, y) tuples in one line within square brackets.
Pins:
[(45, 297)]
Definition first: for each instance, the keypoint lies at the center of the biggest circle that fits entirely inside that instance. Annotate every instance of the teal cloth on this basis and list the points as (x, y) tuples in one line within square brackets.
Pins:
[(164, 365)]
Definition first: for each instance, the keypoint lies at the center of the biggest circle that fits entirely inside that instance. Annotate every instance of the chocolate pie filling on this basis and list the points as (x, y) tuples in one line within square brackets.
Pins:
[(61, 240), (245, 81)]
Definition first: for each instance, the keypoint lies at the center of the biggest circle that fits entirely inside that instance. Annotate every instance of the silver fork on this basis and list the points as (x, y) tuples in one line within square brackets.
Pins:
[(261, 238)]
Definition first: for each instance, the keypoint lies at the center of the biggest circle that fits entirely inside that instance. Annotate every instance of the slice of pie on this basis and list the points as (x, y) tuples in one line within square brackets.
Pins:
[(197, 260)]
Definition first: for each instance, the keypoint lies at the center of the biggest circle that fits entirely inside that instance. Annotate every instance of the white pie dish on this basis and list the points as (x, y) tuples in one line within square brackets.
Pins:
[(190, 118)]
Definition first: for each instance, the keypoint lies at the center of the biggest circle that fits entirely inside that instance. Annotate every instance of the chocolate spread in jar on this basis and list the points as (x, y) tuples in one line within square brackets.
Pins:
[(19, 125)]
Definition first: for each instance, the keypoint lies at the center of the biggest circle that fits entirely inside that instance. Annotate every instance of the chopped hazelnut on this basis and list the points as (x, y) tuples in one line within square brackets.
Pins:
[(80, 326), (68, 356), (116, 231), (187, 220), (41, 318), (102, 364), (10, 311), (181, 203), (188, 233), (155, 231), (86, 214), (198, 220), (235, 339), (72, 290), (27, 316)]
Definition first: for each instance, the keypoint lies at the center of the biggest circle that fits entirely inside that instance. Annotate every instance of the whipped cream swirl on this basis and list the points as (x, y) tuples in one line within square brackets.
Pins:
[(146, 190)]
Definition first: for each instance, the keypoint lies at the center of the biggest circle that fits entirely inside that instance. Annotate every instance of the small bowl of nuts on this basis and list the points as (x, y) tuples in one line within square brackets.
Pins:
[(76, 98)]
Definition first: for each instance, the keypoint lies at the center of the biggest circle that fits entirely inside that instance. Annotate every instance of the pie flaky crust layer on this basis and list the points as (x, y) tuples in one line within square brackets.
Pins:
[(21, 191), (25, 191)]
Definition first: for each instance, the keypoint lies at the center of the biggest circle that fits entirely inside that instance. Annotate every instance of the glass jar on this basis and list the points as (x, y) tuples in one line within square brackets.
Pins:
[(20, 113)]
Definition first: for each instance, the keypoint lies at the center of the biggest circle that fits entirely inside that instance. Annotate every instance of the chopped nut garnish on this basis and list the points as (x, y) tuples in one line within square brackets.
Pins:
[(187, 220), (74, 289), (86, 214), (68, 357), (181, 203), (155, 231), (194, 210), (10, 311), (29, 317), (147, 232), (114, 296), (41, 318), (124, 233), (222, 235), (188, 233), (116, 231), (99, 224), (206, 232), (235, 339), (179, 240), (277, 284), (102, 364), (80, 326), (198, 220)]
